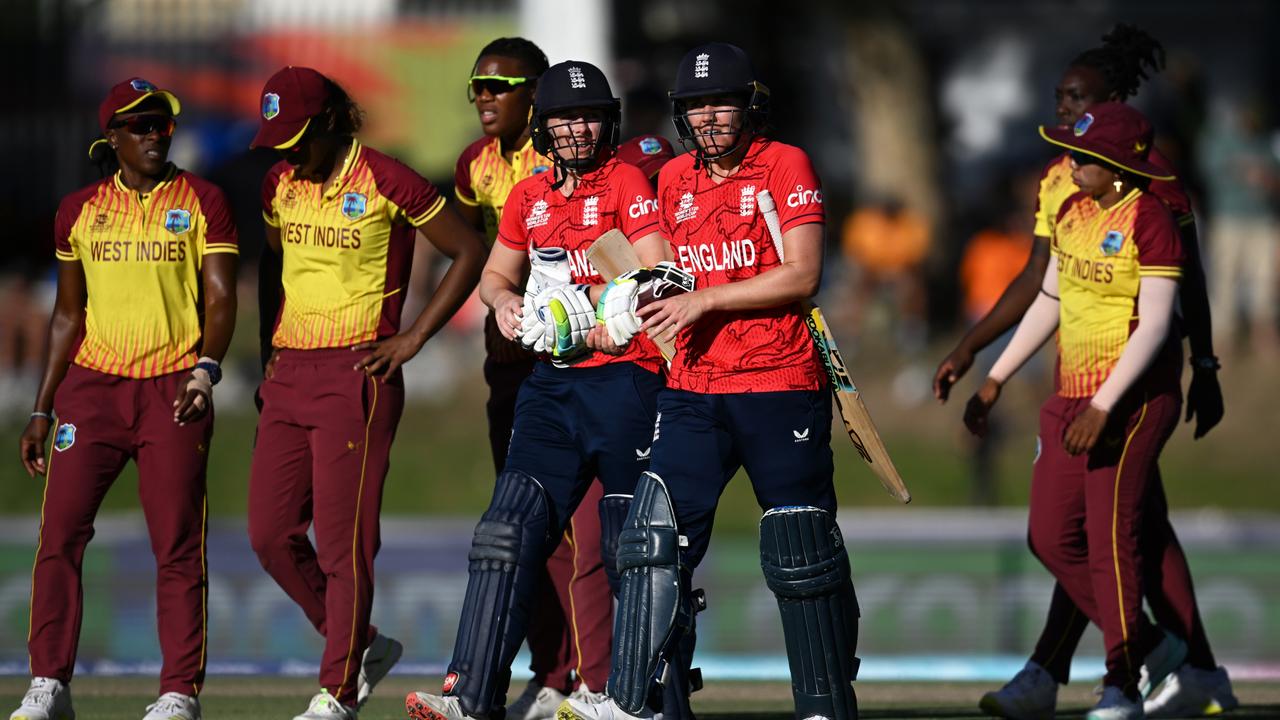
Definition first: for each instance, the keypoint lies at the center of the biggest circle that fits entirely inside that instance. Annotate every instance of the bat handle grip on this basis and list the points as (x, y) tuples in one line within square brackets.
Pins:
[(769, 209)]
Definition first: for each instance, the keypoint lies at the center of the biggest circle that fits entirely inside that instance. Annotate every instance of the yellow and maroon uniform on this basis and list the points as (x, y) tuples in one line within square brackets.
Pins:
[(142, 256), (1087, 510), (326, 430)]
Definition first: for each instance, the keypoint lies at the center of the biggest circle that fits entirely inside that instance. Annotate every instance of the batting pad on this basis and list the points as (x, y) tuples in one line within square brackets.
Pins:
[(507, 553), (805, 565)]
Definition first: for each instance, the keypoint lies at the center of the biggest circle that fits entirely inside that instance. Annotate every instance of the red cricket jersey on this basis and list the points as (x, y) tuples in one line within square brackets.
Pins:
[(616, 195), (719, 236)]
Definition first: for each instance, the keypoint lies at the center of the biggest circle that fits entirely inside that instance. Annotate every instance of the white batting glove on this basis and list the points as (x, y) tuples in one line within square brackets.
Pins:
[(548, 269), (617, 307), (571, 317)]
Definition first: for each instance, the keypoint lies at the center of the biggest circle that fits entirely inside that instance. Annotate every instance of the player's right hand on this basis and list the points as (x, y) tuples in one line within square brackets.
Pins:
[(979, 407), (506, 313), (950, 370), (31, 445)]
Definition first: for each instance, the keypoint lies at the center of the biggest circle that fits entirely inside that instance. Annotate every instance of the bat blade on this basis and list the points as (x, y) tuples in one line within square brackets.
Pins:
[(612, 254)]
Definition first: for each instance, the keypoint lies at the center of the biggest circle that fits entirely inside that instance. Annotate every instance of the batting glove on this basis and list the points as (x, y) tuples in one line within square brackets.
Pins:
[(572, 317), (617, 307)]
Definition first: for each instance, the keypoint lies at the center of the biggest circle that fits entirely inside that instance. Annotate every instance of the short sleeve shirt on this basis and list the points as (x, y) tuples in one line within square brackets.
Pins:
[(617, 195), (718, 234), (1101, 256), (484, 178), (347, 252), (142, 256)]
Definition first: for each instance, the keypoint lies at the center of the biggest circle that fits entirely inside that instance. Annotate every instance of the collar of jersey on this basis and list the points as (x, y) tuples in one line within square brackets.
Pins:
[(1128, 198), (169, 175), (495, 146), (347, 165)]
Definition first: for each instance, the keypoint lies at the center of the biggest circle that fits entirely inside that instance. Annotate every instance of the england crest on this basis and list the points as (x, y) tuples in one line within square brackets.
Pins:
[(65, 437), (177, 221), (354, 205)]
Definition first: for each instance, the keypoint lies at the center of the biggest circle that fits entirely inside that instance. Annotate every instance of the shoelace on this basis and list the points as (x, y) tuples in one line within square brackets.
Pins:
[(166, 703), (588, 696), (326, 702), (39, 697)]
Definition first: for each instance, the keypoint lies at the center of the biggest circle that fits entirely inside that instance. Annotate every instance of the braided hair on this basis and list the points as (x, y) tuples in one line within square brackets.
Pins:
[(1124, 59), (517, 48), (348, 118)]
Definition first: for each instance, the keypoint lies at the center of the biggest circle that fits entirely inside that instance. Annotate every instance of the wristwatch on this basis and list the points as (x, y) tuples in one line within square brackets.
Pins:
[(1208, 362), (213, 368)]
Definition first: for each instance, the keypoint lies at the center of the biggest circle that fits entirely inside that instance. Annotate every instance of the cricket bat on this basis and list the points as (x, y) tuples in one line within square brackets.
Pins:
[(857, 421), (612, 255)]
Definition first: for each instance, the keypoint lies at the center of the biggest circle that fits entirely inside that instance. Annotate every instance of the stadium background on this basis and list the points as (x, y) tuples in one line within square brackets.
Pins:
[(927, 105)]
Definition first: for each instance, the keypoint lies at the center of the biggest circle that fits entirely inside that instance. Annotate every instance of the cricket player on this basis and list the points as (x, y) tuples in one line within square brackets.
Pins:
[(745, 389), (145, 310), (582, 414), (1114, 71), (345, 218), (1118, 257)]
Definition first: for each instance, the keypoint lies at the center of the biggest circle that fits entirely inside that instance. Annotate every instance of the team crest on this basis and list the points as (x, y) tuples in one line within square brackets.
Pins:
[(1083, 124), (65, 437), (1112, 243), (650, 146), (270, 105), (141, 85), (177, 221), (354, 205)]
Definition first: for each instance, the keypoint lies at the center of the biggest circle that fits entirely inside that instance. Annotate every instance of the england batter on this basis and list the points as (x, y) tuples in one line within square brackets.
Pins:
[(581, 414), (745, 389), (145, 310), (345, 218), (1118, 258)]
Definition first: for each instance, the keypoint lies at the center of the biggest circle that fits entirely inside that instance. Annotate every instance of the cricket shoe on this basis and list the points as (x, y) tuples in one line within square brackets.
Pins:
[(535, 703), (1032, 694), (173, 706), (1115, 706), (326, 707), (1162, 660), (46, 699), (575, 709), (381, 655), (1192, 692), (425, 706)]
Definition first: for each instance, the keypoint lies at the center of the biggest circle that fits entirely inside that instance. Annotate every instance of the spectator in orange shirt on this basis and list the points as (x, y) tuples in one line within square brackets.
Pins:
[(886, 243)]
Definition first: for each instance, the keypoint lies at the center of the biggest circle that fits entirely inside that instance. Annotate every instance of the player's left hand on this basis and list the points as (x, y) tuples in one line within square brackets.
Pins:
[(571, 315), (1204, 401), (665, 318), (978, 409), (1083, 432), (195, 397), (387, 355), (598, 339)]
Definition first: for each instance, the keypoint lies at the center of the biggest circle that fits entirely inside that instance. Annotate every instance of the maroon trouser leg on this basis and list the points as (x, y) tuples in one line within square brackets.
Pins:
[(324, 439), (103, 420), (1169, 591), (571, 623), (1086, 520)]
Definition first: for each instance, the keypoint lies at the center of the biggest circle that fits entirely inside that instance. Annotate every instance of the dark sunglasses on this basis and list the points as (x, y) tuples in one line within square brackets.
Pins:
[(1082, 159), (494, 84), (143, 125)]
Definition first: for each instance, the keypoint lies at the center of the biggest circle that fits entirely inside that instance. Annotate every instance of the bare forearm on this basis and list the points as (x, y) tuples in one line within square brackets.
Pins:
[(1013, 303), (781, 286), (219, 325), (63, 328)]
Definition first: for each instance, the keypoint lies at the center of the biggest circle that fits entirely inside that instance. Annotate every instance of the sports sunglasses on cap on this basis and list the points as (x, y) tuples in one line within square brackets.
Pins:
[(146, 124), (495, 84)]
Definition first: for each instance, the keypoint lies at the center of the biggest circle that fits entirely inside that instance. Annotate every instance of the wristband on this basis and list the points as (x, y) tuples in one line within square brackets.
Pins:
[(1209, 362), (45, 415), (212, 367)]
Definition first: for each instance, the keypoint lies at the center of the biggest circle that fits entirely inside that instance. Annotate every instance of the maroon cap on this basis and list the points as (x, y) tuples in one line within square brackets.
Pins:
[(289, 100), (647, 152), (1113, 132), (129, 94)]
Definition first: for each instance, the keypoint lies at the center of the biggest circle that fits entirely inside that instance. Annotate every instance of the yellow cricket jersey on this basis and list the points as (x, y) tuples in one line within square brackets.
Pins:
[(142, 255), (1056, 186), (347, 252), (483, 177), (1101, 256)]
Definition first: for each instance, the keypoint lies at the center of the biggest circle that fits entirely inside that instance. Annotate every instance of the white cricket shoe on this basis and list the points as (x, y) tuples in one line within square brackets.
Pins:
[(326, 707), (1192, 692), (1032, 694), (381, 655), (535, 703), (173, 706), (1115, 706), (425, 706), (574, 709), (46, 699), (1162, 660)]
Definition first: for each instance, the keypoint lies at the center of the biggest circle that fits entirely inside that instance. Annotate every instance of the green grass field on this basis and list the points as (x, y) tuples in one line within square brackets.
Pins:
[(281, 698)]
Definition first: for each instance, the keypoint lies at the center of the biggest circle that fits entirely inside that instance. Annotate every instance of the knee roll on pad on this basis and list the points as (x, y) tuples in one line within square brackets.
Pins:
[(507, 552), (806, 566), (653, 598), (613, 512)]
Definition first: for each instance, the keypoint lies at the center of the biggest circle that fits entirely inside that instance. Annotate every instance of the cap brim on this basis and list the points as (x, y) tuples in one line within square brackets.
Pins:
[(1066, 137), (279, 136), (170, 99)]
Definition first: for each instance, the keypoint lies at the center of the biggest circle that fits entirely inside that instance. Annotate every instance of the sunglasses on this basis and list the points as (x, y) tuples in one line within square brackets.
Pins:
[(143, 125), (1082, 159), (494, 84)]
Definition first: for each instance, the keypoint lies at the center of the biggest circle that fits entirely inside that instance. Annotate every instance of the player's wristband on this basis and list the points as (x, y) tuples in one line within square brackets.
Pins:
[(1209, 362), (212, 367), (45, 415)]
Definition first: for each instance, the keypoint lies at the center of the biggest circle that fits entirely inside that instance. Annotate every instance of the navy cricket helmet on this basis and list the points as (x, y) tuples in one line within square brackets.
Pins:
[(718, 69), (570, 85)]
